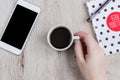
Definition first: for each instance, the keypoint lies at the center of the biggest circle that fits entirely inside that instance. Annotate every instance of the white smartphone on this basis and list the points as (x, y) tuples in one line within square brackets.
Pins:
[(18, 27)]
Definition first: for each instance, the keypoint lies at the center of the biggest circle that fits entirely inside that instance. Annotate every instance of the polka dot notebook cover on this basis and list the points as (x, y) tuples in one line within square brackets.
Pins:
[(106, 24)]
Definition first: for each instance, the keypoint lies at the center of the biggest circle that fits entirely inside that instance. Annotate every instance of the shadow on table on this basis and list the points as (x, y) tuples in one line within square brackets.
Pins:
[(72, 64)]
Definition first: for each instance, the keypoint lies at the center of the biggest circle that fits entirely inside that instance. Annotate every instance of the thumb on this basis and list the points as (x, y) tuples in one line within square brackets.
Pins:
[(79, 51)]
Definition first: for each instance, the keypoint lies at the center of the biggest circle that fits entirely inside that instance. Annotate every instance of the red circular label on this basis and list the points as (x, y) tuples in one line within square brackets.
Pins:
[(113, 21)]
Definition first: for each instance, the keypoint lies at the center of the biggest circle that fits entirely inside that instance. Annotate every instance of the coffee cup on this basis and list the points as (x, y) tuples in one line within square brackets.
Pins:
[(61, 38)]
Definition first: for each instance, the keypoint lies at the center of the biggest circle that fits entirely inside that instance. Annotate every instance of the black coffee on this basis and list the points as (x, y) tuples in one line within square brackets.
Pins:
[(60, 38)]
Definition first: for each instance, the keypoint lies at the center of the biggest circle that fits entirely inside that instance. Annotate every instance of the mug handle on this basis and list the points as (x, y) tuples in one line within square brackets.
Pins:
[(76, 37)]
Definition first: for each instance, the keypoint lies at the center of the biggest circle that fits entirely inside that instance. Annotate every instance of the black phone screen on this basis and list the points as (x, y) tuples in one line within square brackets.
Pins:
[(19, 26)]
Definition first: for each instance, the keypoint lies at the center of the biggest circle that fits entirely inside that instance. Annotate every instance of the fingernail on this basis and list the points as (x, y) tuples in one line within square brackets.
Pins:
[(76, 41)]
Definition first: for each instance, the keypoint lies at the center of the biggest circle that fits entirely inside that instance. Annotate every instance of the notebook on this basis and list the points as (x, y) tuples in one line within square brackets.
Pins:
[(106, 25)]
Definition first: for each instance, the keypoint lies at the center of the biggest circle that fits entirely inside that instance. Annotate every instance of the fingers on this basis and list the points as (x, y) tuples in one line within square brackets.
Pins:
[(79, 51), (89, 40)]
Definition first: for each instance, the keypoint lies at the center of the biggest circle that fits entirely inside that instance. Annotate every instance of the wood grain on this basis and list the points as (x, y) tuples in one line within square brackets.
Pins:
[(38, 61)]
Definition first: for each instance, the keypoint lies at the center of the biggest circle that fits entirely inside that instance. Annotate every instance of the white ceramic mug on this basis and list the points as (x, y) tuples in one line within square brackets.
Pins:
[(71, 41)]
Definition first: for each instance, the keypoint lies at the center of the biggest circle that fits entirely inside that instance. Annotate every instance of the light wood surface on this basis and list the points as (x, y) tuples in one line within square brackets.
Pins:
[(39, 61)]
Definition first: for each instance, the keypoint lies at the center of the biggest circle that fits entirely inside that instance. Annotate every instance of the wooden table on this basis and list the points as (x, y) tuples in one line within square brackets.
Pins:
[(38, 60)]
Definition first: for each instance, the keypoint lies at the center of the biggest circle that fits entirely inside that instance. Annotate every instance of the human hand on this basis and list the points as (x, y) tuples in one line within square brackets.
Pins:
[(90, 57)]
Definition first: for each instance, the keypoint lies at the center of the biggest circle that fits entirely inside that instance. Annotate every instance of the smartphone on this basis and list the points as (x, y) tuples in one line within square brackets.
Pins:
[(18, 27)]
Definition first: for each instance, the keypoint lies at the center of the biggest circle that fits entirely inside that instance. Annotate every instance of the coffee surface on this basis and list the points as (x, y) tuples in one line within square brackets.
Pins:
[(60, 38)]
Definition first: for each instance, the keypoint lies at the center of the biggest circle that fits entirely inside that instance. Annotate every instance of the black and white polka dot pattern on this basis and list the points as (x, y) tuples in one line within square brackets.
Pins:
[(108, 39)]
